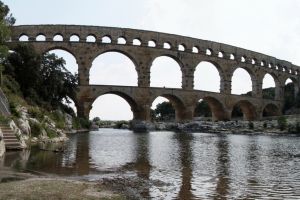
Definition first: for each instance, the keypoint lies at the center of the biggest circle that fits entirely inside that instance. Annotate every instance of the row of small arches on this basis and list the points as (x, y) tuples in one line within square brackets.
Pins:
[(166, 45)]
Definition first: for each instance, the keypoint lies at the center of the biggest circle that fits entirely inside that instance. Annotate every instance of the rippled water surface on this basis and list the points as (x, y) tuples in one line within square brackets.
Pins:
[(168, 165)]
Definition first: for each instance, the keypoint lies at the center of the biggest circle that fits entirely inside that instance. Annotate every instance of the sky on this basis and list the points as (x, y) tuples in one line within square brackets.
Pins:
[(271, 27)]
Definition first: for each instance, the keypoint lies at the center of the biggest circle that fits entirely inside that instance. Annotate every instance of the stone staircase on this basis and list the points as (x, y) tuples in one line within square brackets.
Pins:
[(10, 140)]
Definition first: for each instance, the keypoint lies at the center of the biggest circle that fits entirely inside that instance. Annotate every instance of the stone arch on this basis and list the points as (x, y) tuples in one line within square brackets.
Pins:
[(91, 38), (130, 100), (252, 81), (157, 77), (213, 66), (295, 83), (177, 103), (23, 37), (58, 37), (106, 39), (217, 108), (278, 87), (74, 38), (40, 37), (267, 86), (122, 55), (247, 108), (58, 47), (271, 110)]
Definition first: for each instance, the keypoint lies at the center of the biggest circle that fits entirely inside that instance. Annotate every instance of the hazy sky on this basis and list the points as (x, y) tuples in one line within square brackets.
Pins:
[(271, 27)]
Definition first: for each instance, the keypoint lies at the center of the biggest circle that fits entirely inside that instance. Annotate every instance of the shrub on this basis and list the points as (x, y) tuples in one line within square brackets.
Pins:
[(4, 119), (85, 123), (50, 132), (282, 123), (36, 113), (265, 125), (59, 119), (13, 109), (36, 128), (250, 125), (294, 128)]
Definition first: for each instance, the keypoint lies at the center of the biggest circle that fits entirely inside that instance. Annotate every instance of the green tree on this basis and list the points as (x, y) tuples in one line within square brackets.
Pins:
[(6, 20), (58, 82), (164, 111), (24, 66), (42, 79), (202, 109)]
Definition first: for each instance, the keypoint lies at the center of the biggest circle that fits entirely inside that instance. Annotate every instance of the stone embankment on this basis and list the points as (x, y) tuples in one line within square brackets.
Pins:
[(268, 125)]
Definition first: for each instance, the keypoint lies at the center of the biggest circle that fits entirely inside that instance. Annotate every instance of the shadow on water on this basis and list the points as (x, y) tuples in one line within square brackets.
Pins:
[(186, 159), (223, 164)]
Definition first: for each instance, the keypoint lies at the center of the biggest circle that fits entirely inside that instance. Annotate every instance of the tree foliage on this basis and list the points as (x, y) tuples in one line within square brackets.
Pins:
[(42, 79), (202, 109), (164, 111), (6, 20)]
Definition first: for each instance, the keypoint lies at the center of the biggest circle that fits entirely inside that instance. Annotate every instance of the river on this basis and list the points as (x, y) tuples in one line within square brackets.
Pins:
[(169, 165)]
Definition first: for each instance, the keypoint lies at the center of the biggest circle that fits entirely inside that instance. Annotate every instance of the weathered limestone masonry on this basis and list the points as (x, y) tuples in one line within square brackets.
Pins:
[(142, 47)]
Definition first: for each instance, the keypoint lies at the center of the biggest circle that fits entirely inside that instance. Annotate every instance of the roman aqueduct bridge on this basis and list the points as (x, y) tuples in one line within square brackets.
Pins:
[(142, 47)]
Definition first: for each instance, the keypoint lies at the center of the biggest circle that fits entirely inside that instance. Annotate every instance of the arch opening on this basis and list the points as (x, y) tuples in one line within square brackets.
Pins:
[(207, 77), (106, 39), (268, 87), (165, 72), (243, 59), (70, 61), (167, 108), (271, 110), (151, 43), (232, 57), (181, 47), (208, 52), (40, 37), (112, 106), (202, 111), (210, 109), (290, 96), (105, 66), (58, 38), (74, 38), (137, 42), (221, 54), (244, 110), (195, 50), (91, 38), (24, 38), (241, 82), (121, 40), (167, 45)]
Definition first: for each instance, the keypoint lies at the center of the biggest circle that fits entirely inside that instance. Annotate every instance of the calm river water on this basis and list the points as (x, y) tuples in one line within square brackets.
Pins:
[(169, 165)]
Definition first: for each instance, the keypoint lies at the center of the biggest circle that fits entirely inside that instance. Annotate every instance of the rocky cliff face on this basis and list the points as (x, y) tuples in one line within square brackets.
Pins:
[(28, 128)]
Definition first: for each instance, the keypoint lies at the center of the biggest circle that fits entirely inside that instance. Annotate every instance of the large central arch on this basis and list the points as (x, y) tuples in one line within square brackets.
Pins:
[(106, 64), (166, 71), (131, 102)]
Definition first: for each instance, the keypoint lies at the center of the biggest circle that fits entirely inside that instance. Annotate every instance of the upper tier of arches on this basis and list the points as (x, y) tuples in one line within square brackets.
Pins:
[(123, 36)]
